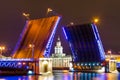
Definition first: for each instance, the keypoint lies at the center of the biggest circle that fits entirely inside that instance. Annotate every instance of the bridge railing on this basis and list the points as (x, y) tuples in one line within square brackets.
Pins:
[(15, 64)]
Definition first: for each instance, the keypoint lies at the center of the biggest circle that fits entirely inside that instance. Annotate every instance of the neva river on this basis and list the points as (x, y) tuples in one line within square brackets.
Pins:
[(66, 76)]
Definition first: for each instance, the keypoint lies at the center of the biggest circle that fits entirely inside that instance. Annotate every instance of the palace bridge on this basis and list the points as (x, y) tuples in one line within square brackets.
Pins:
[(32, 51)]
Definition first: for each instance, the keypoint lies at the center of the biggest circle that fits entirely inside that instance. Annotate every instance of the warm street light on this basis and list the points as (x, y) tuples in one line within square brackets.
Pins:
[(110, 53), (1, 49), (96, 20), (32, 47)]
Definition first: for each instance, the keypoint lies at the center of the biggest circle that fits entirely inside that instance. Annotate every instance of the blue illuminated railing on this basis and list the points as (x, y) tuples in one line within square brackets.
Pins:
[(16, 59), (15, 63), (101, 50), (21, 37), (50, 41)]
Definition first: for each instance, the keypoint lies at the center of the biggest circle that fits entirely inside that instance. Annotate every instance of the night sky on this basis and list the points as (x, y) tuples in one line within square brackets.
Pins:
[(78, 11)]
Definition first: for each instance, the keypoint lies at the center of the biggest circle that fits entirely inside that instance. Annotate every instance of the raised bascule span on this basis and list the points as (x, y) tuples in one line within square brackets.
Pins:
[(86, 46), (38, 32), (33, 48)]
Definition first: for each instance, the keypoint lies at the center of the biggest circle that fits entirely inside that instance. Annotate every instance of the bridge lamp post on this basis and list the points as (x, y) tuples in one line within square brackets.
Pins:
[(1, 49), (32, 46), (95, 20)]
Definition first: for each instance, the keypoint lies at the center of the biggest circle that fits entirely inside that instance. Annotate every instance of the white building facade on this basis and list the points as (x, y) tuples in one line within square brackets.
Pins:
[(60, 59)]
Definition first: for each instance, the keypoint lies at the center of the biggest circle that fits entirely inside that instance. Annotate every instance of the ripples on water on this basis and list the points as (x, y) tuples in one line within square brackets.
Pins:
[(66, 76)]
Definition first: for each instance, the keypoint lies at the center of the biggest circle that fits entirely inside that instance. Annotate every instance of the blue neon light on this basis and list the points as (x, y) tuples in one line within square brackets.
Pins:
[(49, 44), (21, 37), (65, 33), (16, 59), (100, 44), (118, 64), (101, 50)]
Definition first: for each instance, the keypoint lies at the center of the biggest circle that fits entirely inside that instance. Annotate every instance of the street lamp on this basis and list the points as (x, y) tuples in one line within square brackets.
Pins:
[(1, 49), (32, 46), (96, 20), (110, 53)]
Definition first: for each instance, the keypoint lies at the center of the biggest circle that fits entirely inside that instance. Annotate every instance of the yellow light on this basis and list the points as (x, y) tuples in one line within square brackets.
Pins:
[(31, 45), (2, 47), (109, 51), (96, 20), (107, 59), (45, 62), (49, 10), (26, 15)]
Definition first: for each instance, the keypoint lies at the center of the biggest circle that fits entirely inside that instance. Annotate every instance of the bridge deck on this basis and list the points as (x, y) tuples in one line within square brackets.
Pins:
[(40, 33), (85, 43)]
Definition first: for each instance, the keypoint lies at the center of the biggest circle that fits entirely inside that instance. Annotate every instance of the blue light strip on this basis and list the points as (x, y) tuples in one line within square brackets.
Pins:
[(100, 45), (98, 41), (28, 59), (49, 44), (65, 33), (13, 64), (21, 37), (70, 44)]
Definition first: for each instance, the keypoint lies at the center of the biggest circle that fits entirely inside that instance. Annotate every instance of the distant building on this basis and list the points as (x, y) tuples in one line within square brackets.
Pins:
[(4, 57), (60, 59)]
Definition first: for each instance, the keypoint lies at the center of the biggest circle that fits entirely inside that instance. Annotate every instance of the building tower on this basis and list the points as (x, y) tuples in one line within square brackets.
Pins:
[(58, 50)]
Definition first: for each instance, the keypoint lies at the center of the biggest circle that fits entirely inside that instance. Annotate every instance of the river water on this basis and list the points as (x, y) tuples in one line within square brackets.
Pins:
[(66, 76)]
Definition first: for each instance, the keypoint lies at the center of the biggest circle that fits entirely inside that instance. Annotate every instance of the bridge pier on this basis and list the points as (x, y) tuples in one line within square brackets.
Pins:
[(110, 65), (42, 66)]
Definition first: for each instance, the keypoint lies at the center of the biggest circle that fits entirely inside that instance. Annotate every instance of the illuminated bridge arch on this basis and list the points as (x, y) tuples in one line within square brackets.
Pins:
[(85, 44)]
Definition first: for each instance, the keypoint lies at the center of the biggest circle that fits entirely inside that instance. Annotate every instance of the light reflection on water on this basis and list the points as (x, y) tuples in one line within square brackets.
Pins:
[(66, 76)]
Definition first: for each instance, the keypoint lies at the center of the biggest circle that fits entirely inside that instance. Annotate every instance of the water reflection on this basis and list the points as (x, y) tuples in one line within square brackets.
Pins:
[(88, 76), (66, 76), (46, 77)]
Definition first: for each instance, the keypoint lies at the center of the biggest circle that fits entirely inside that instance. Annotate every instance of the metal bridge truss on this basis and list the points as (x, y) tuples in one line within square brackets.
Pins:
[(15, 64)]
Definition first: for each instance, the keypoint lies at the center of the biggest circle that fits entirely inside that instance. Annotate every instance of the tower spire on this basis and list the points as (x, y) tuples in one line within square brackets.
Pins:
[(58, 47), (58, 38)]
